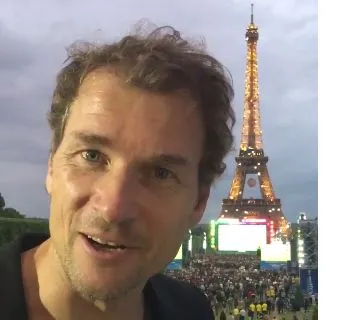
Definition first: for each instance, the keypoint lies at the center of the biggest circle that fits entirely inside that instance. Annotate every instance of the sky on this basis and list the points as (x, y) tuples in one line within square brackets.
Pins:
[(34, 36)]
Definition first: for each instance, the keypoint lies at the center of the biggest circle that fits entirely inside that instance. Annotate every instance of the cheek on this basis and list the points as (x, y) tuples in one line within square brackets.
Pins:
[(68, 195), (167, 208), (169, 220)]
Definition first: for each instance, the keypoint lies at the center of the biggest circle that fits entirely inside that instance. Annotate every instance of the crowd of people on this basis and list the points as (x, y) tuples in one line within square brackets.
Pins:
[(237, 289)]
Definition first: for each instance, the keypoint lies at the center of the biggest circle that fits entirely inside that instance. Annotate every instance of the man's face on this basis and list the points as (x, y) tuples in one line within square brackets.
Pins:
[(125, 172)]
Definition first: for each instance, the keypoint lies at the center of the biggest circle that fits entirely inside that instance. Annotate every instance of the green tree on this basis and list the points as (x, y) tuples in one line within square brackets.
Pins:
[(2, 202), (11, 213), (10, 229)]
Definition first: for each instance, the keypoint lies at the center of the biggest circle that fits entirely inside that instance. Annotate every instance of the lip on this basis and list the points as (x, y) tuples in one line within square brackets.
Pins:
[(107, 256), (106, 239)]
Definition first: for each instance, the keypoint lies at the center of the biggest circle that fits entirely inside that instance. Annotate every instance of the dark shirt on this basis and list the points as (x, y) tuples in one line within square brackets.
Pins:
[(165, 298)]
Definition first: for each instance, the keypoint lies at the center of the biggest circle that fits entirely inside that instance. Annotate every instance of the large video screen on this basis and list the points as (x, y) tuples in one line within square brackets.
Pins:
[(241, 237), (276, 251)]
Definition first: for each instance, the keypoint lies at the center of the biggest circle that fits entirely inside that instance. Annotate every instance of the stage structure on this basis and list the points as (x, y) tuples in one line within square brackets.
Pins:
[(251, 194), (307, 242)]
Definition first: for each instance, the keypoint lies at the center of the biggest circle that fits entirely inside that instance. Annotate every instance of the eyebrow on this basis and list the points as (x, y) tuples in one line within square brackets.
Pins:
[(170, 159), (92, 139)]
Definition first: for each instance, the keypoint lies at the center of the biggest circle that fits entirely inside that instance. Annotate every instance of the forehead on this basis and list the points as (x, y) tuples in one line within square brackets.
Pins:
[(137, 119)]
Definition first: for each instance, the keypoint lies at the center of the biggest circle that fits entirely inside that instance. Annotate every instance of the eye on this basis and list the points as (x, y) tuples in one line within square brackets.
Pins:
[(161, 173), (91, 155)]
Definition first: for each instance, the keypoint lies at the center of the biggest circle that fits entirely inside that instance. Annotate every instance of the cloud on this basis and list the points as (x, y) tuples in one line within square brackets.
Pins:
[(33, 44)]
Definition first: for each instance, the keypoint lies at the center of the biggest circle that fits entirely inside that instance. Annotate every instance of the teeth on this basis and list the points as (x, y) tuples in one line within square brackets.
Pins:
[(112, 244)]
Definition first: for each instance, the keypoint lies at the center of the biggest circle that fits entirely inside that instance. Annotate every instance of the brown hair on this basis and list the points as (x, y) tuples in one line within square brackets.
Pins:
[(160, 62)]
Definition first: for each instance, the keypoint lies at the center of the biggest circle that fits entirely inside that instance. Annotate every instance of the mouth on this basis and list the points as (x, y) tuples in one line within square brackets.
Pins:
[(102, 245)]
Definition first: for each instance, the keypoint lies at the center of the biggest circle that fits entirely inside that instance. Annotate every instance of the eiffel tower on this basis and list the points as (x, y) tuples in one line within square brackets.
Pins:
[(251, 162)]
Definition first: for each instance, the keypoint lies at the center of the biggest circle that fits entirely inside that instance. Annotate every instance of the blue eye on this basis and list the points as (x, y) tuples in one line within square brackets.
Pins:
[(91, 155)]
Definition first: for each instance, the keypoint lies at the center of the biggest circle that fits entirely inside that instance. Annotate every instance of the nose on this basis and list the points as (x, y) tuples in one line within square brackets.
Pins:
[(115, 194)]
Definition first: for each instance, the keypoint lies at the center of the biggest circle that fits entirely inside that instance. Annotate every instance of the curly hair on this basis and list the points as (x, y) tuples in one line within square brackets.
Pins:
[(159, 62)]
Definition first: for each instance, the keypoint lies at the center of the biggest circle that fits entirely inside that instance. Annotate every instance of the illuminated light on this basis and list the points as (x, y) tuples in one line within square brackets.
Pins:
[(204, 242), (190, 244), (253, 220), (255, 167), (212, 228), (269, 210), (273, 209), (229, 221), (258, 173), (236, 209), (226, 210), (278, 209), (213, 234)]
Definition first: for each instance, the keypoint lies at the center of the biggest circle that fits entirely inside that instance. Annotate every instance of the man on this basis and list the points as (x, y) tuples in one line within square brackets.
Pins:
[(259, 310), (140, 129), (264, 308), (252, 309), (242, 314), (235, 312)]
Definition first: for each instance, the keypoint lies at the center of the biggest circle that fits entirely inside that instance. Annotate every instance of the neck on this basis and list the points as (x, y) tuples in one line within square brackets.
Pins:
[(49, 293)]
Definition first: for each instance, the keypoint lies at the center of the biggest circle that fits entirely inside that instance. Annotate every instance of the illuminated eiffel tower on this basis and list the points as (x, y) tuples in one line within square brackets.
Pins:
[(251, 163)]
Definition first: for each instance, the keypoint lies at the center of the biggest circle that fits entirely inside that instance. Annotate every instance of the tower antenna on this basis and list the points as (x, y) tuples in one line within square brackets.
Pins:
[(252, 20)]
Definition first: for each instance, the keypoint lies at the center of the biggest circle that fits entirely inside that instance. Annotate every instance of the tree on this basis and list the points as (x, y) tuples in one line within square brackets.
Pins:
[(2, 202), (11, 213), (11, 229)]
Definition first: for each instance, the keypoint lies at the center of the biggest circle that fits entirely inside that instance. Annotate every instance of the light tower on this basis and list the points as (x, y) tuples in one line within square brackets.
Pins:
[(307, 242)]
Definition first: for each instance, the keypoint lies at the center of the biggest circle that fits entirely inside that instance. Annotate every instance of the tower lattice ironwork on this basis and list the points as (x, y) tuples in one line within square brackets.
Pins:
[(251, 163)]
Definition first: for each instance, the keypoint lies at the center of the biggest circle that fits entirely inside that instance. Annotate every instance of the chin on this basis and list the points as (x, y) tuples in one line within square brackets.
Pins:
[(110, 282), (106, 289)]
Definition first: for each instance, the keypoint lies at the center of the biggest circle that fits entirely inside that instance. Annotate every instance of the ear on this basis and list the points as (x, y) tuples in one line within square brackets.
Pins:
[(49, 176), (201, 203)]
